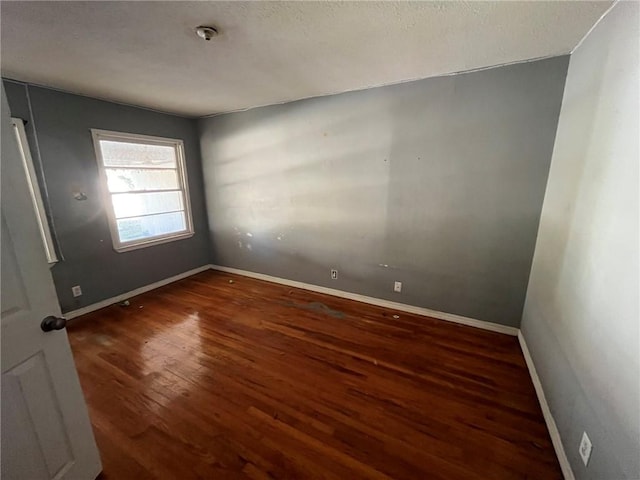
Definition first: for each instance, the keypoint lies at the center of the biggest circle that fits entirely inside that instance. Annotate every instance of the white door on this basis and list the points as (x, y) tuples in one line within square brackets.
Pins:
[(46, 432)]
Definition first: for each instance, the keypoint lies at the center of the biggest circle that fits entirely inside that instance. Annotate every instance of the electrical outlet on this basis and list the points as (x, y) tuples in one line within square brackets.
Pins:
[(334, 274), (397, 287), (585, 448), (77, 291)]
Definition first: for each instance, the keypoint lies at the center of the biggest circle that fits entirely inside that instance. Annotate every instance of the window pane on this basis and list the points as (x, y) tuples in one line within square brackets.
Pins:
[(134, 204), (123, 154), (139, 228), (144, 178), (121, 180)]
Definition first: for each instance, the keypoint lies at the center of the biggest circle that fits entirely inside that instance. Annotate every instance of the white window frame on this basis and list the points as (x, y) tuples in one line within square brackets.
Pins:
[(34, 189), (178, 146)]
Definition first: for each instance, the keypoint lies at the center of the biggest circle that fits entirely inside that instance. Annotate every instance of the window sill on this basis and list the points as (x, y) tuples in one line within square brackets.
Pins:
[(152, 242)]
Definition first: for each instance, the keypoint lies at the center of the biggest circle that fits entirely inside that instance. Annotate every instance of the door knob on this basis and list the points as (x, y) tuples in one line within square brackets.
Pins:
[(53, 323)]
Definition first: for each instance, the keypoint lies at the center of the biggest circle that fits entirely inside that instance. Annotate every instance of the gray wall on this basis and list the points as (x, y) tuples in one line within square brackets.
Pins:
[(581, 317), (436, 183), (65, 151)]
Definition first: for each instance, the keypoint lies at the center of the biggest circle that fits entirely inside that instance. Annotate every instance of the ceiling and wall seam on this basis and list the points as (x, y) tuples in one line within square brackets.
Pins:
[(391, 84), (606, 12), (211, 115), (93, 97)]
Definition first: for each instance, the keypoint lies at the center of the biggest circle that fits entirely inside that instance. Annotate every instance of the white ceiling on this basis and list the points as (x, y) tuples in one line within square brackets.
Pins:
[(146, 53)]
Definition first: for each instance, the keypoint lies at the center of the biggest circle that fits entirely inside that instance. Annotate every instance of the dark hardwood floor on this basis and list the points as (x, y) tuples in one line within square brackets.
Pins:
[(220, 376)]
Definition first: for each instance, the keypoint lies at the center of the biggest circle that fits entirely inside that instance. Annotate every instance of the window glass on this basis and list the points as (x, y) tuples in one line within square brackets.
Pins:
[(145, 191)]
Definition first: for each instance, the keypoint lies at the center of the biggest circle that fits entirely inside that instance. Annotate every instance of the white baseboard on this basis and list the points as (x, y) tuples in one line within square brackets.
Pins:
[(133, 293), (546, 412), (450, 317)]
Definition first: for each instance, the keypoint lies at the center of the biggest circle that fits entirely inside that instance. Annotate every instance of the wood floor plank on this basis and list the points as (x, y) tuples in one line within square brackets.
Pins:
[(222, 376)]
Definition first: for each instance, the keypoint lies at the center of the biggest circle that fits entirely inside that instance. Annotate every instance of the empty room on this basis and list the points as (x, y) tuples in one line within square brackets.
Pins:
[(320, 240)]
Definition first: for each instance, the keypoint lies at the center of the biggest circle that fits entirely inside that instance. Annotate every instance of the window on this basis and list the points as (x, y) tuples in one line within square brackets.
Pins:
[(145, 188), (34, 189)]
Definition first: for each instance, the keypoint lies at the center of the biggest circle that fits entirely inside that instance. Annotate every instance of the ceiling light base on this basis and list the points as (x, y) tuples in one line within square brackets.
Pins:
[(206, 33)]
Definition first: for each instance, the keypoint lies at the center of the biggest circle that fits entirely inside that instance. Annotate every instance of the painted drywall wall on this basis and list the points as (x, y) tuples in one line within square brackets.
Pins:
[(63, 152), (437, 184), (581, 318)]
